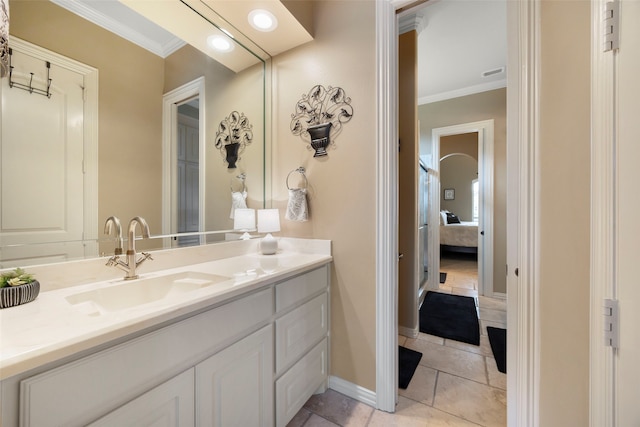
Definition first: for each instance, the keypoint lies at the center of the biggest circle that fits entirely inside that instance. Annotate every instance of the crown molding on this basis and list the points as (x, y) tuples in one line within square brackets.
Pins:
[(469, 90), (124, 31), (411, 22)]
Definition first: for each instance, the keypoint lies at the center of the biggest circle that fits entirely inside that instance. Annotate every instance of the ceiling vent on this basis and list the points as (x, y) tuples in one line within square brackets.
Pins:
[(493, 72)]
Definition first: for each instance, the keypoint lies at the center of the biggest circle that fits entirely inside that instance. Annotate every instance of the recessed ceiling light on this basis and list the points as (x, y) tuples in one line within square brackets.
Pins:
[(220, 43), (262, 20)]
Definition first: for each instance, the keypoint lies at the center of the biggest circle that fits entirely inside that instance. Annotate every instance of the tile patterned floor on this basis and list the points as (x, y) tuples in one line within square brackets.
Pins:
[(456, 384)]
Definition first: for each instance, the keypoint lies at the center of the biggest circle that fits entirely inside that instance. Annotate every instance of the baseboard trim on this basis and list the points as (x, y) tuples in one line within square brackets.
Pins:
[(499, 295), (408, 332), (352, 390)]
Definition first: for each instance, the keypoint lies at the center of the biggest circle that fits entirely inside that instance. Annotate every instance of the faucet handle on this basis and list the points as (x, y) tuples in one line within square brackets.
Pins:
[(112, 261), (147, 255)]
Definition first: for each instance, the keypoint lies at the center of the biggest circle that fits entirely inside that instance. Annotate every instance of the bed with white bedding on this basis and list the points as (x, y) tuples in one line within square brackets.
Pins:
[(462, 237)]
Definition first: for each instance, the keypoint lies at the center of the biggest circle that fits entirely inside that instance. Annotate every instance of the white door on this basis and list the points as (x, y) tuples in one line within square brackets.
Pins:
[(627, 230), (41, 166), (188, 180)]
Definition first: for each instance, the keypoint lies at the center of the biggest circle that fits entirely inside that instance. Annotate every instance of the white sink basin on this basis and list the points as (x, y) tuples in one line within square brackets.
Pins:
[(129, 294)]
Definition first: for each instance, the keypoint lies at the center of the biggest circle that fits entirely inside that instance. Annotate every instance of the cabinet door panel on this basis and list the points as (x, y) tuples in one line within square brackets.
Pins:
[(300, 382), (299, 330), (235, 386), (169, 405)]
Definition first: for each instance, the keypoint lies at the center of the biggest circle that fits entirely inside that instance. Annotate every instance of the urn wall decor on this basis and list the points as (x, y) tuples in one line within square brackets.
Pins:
[(233, 135), (319, 116)]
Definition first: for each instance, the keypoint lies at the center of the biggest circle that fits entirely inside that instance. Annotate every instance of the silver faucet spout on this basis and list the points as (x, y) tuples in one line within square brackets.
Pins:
[(132, 262), (132, 232), (129, 266), (111, 223)]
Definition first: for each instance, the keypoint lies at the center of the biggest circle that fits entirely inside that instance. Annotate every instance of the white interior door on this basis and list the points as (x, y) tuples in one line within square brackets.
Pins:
[(188, 179), (41, 166), (627, 231)]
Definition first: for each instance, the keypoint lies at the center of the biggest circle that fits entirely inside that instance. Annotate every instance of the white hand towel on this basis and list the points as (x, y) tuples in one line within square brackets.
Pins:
[(238, 201), (297, 206)]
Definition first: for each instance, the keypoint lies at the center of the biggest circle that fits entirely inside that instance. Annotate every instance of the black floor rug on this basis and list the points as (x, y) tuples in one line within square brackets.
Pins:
[(450, 316), (407, 363), (498, 341), (443, 277)]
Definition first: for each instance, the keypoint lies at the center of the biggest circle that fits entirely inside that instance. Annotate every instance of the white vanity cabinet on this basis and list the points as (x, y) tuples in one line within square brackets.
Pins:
[(252, 361), (302, 328), (78, 393)]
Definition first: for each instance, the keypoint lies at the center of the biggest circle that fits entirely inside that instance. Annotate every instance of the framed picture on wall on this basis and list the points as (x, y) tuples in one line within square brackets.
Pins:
[(449, 194)]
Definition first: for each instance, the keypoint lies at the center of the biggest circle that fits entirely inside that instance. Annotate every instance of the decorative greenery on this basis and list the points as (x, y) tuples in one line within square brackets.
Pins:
[(16, 277), (320, 105)]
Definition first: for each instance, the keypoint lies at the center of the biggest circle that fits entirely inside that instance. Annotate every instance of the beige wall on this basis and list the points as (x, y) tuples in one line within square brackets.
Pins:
[(564, 213), (342, 185), (458, 172), (408, 273), (466, 143), (473, 108)]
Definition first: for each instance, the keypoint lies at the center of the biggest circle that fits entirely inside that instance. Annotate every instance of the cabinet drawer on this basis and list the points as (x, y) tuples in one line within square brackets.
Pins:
[(297, 385), (301, 287), (81, 391), (299, 330)]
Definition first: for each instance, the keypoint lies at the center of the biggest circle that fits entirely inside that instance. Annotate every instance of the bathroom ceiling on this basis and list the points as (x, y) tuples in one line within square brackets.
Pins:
[(461, 40), (166, 29)]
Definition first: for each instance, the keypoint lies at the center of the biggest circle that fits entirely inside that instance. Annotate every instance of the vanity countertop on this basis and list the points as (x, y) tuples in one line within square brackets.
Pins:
[(50, 328)]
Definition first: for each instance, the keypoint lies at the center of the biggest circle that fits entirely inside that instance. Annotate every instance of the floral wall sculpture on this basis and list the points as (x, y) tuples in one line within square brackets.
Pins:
[(233, 135), (319, 116)]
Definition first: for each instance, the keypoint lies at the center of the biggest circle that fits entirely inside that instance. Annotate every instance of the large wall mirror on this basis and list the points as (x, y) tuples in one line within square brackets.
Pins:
[(127, 127)]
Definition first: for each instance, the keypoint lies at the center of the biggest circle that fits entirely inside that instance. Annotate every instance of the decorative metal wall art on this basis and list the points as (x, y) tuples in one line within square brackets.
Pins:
[(233, 135), (4, 37), (319, 116)]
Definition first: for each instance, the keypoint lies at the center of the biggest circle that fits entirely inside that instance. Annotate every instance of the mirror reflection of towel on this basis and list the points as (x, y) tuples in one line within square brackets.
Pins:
[(238, 201), (297, 206)]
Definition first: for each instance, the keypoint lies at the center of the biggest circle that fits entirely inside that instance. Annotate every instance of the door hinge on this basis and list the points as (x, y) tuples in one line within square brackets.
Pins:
[(611, 26), (611, 323)]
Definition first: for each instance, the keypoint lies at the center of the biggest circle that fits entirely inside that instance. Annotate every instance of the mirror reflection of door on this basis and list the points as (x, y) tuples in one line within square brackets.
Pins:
[(188, 167), (47, 201)]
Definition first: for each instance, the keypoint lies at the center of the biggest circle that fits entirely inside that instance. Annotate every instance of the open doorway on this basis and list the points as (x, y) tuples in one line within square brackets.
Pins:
[(465, 230), (459, 214), (473, 107), (183, 161), (188, 167)]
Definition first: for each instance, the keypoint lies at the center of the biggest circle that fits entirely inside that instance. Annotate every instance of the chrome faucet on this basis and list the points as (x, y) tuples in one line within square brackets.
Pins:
[(109, 224), (129, 266)]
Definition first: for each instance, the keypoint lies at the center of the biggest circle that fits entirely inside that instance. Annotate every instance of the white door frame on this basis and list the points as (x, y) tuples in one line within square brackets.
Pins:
[(523, 34), (485, 173), (169, 152), (603, 181)]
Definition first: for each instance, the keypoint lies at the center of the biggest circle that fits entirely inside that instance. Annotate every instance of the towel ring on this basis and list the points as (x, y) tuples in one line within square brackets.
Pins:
[(240, 177), (301, 171)]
